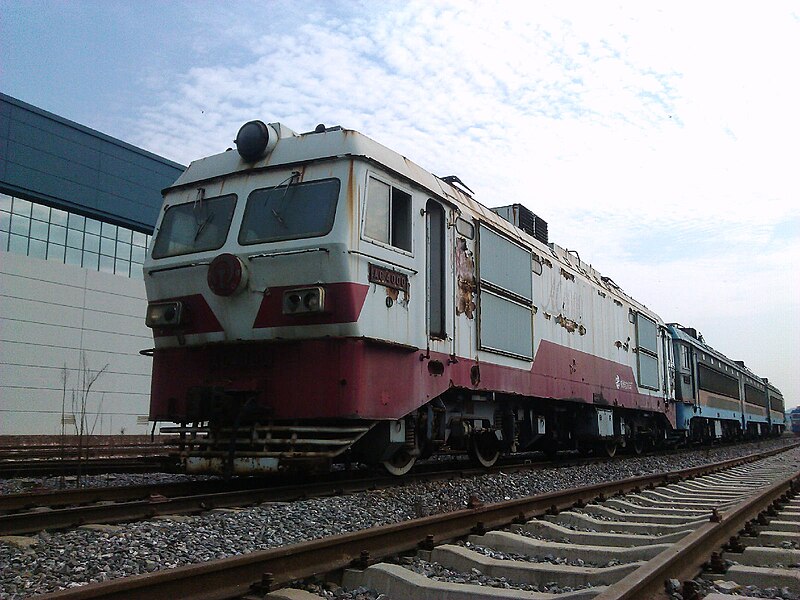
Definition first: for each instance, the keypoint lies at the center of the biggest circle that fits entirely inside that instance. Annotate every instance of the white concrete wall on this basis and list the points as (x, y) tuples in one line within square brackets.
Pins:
[(53, 314)]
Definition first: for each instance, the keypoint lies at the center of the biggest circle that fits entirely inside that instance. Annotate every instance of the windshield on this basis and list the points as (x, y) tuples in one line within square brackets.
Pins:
[(194, 226), (290, 211)]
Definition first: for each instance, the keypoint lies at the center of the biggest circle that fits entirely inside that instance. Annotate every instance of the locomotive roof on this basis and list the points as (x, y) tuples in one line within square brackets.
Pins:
[(338, 142)]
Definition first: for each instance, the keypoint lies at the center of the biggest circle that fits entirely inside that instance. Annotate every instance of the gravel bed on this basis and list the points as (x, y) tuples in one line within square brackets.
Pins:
[(433, 570), (722, 586), (331, 590), (58, 560), (21, 485), (547, 558)]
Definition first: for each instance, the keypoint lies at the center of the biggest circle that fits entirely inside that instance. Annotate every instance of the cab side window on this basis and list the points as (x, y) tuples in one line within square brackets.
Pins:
[(388, 215)]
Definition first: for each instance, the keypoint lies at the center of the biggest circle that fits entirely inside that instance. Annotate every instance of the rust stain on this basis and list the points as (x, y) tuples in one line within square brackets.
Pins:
[(393, 293), (570, 325), (467, 285), (547, 316)]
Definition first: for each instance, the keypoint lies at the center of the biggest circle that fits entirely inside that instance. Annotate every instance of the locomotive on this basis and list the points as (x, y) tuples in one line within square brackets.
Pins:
[(318, 298)]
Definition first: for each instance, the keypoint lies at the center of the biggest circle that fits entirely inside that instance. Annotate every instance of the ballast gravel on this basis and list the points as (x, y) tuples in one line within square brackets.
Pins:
[(437, 572), (21, 485), (61, 560)]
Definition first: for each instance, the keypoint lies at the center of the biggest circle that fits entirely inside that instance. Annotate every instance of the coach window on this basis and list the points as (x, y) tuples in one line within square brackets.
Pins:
[(388, 215)]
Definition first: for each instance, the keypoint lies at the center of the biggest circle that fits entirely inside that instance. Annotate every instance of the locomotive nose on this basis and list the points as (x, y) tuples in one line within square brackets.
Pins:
[(227, 275)]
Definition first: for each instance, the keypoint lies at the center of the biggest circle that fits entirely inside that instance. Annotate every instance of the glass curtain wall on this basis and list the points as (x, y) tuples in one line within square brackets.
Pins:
[(52, 234)]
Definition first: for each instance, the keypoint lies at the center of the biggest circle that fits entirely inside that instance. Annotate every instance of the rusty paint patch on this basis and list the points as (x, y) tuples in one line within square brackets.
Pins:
[(393, 293), (624, 346), (567, 275), (467, 284), (566, 323)]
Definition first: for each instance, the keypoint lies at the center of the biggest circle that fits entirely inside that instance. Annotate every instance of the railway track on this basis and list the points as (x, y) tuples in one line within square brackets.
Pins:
[(714, 506), (32, 460), (43, 467), (61, 509)]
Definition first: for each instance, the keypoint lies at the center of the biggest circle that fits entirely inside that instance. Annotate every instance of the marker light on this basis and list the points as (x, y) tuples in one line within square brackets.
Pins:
[(305, 300), (164, 314)]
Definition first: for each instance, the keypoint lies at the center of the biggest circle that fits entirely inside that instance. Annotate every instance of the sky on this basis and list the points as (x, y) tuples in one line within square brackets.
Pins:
[(659, 140)]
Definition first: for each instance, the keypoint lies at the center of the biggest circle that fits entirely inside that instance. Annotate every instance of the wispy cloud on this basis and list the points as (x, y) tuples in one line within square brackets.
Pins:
[(655, 142)]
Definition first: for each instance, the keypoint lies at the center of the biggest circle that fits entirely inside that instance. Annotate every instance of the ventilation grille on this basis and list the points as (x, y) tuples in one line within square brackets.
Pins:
[(521, 217)]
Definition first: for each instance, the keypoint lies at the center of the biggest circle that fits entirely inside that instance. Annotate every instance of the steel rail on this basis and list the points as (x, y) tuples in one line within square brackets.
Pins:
[(236, 576), (685, 559)]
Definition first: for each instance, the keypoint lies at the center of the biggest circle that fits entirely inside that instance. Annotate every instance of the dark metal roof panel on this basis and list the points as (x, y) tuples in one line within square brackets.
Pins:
[(46, 158)]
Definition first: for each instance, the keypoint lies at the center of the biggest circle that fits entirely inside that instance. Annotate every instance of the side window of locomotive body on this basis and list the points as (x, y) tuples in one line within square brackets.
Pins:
[(684, 357), (289, 212), (194, 226), (387, 215), (647, 351)]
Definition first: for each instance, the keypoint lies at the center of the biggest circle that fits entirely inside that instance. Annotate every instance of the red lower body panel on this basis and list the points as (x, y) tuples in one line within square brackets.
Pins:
[(345, 377)]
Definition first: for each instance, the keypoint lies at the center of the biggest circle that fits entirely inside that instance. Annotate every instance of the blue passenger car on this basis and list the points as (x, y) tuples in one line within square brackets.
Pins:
[(794, 419), (777, 409)]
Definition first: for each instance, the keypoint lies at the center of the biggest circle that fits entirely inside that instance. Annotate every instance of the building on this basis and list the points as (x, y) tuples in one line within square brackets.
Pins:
[(77, 208)]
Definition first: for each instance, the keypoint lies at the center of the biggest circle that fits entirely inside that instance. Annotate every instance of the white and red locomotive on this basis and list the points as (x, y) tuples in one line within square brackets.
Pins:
[(319, 298)]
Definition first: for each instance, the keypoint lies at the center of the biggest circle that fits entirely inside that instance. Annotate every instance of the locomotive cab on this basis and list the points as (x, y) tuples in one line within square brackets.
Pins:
[(277, 272)]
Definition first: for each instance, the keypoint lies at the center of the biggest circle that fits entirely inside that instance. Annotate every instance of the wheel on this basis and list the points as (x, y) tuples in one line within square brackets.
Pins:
[(400, 463), (637, 445), (608, 449), (483, 449)]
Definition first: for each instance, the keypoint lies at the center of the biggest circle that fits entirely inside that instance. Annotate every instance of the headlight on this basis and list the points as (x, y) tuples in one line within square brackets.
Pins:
[(305, 300), (255, 139), (164, 314)]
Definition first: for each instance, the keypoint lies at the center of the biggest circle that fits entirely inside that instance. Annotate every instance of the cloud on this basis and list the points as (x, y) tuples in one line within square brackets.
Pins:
[(657, 143)]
